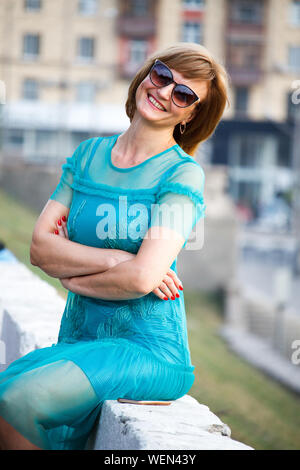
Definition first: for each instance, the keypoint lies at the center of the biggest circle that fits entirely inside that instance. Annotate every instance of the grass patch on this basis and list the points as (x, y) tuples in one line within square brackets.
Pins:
[(17, 222), (260, 412)]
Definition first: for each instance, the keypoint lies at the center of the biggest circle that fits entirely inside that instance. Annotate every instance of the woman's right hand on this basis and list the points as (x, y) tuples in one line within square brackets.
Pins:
[(168, 289)]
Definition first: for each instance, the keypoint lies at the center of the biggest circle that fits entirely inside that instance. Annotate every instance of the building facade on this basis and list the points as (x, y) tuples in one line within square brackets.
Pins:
[(66, 66)]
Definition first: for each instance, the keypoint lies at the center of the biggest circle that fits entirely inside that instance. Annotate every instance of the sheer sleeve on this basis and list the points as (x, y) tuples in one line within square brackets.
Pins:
[(63, 192), (180, 202)]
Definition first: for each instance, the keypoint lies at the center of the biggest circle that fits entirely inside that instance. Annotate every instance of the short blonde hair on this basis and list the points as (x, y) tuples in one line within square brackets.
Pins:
[(193, 61)]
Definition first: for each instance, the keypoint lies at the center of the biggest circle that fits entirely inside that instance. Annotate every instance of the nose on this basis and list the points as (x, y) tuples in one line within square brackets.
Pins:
[(166, 91)]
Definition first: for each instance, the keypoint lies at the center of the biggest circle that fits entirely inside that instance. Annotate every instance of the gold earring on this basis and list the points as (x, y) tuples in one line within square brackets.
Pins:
[(182, 131)]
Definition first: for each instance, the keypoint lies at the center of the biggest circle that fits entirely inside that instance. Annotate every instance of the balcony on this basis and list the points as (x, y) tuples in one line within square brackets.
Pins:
[(135, 26), (240, 32), (244, 76), (244, 62)]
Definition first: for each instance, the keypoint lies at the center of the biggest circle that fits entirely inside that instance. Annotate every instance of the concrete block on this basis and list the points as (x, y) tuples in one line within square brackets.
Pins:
[(184, 425)]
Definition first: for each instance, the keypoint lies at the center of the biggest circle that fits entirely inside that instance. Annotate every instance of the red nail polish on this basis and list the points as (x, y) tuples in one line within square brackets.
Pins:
[(63, 217), (180, 287), (59, 222), (173, 297), (177, 295), (56, 232), (165, 298)]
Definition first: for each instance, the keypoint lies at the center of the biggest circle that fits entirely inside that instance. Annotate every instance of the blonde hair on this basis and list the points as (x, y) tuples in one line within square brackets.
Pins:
[(193, 61)]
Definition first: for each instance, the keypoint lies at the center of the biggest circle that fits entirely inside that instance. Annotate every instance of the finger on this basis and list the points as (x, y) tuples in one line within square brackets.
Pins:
[(59, 228), (66, 232), (160, 294), (175, 278), (64, 226), (166, 290), (171, 285)]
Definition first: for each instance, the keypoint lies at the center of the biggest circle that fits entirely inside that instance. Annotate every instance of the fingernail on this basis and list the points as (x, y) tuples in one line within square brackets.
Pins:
[(59, 222), (63, 218), (56, 232), (173, 297), (180, 287), (177, 295), (165, 298)]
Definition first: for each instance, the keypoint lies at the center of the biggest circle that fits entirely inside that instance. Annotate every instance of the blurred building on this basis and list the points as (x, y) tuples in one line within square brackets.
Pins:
[(67, 64)]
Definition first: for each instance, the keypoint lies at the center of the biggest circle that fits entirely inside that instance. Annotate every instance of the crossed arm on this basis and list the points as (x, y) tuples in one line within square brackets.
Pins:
[(105, 273)]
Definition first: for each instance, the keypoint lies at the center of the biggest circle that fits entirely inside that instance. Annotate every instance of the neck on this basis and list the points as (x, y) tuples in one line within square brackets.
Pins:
[(142, 140)]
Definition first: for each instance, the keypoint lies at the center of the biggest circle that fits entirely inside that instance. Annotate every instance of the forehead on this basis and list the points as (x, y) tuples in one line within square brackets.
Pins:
[(198, 85)]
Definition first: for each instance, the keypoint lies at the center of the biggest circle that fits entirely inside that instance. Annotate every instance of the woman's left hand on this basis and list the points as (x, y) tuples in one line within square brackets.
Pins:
[(61, 227)]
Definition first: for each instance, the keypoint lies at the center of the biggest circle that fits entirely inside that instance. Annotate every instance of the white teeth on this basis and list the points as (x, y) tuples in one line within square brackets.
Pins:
[(155, 103)]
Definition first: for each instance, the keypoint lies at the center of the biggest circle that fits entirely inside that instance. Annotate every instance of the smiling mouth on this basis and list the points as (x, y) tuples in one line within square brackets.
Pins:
[(148, 95)]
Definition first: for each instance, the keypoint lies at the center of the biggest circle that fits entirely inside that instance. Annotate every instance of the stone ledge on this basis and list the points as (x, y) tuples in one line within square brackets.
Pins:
[(184, 425), (30, 312)]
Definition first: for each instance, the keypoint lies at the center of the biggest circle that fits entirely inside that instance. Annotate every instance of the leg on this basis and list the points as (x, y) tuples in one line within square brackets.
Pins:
[(34, 403), (10, 439)]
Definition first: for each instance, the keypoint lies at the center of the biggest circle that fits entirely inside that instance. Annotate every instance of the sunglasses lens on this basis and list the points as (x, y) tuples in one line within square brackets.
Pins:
[(183, 96), (160, 75)]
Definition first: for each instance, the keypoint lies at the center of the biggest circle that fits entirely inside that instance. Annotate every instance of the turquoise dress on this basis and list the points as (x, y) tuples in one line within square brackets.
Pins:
[(109, 349)]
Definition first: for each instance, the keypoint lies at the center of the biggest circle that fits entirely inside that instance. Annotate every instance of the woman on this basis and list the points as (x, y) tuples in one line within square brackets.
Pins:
[(104, 235)]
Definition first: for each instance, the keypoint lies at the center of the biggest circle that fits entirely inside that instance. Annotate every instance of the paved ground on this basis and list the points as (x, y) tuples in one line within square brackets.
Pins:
[(262, 356), (261, 255)]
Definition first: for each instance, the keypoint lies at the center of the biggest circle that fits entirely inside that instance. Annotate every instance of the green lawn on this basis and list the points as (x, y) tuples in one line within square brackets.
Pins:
[(16, 226), (259, 411)]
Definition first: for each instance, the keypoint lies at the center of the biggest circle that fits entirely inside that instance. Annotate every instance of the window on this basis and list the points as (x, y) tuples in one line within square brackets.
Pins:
[(85, 92), (192, 32), (32, 5), (14, 138), (294, 13), (241, 100), (78, 137), (30, 89), (253, 150), (244, 54), (86, 48), (88, 7), (193, 4), (31, 46), (247, 11), (137, 52), (139, 7), (294, 57)]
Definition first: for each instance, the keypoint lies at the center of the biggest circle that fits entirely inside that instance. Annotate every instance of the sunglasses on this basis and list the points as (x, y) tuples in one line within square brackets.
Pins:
[(182, 96)]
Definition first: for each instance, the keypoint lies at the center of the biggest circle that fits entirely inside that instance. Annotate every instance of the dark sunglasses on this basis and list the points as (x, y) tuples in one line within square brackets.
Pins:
[(182, 96)]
